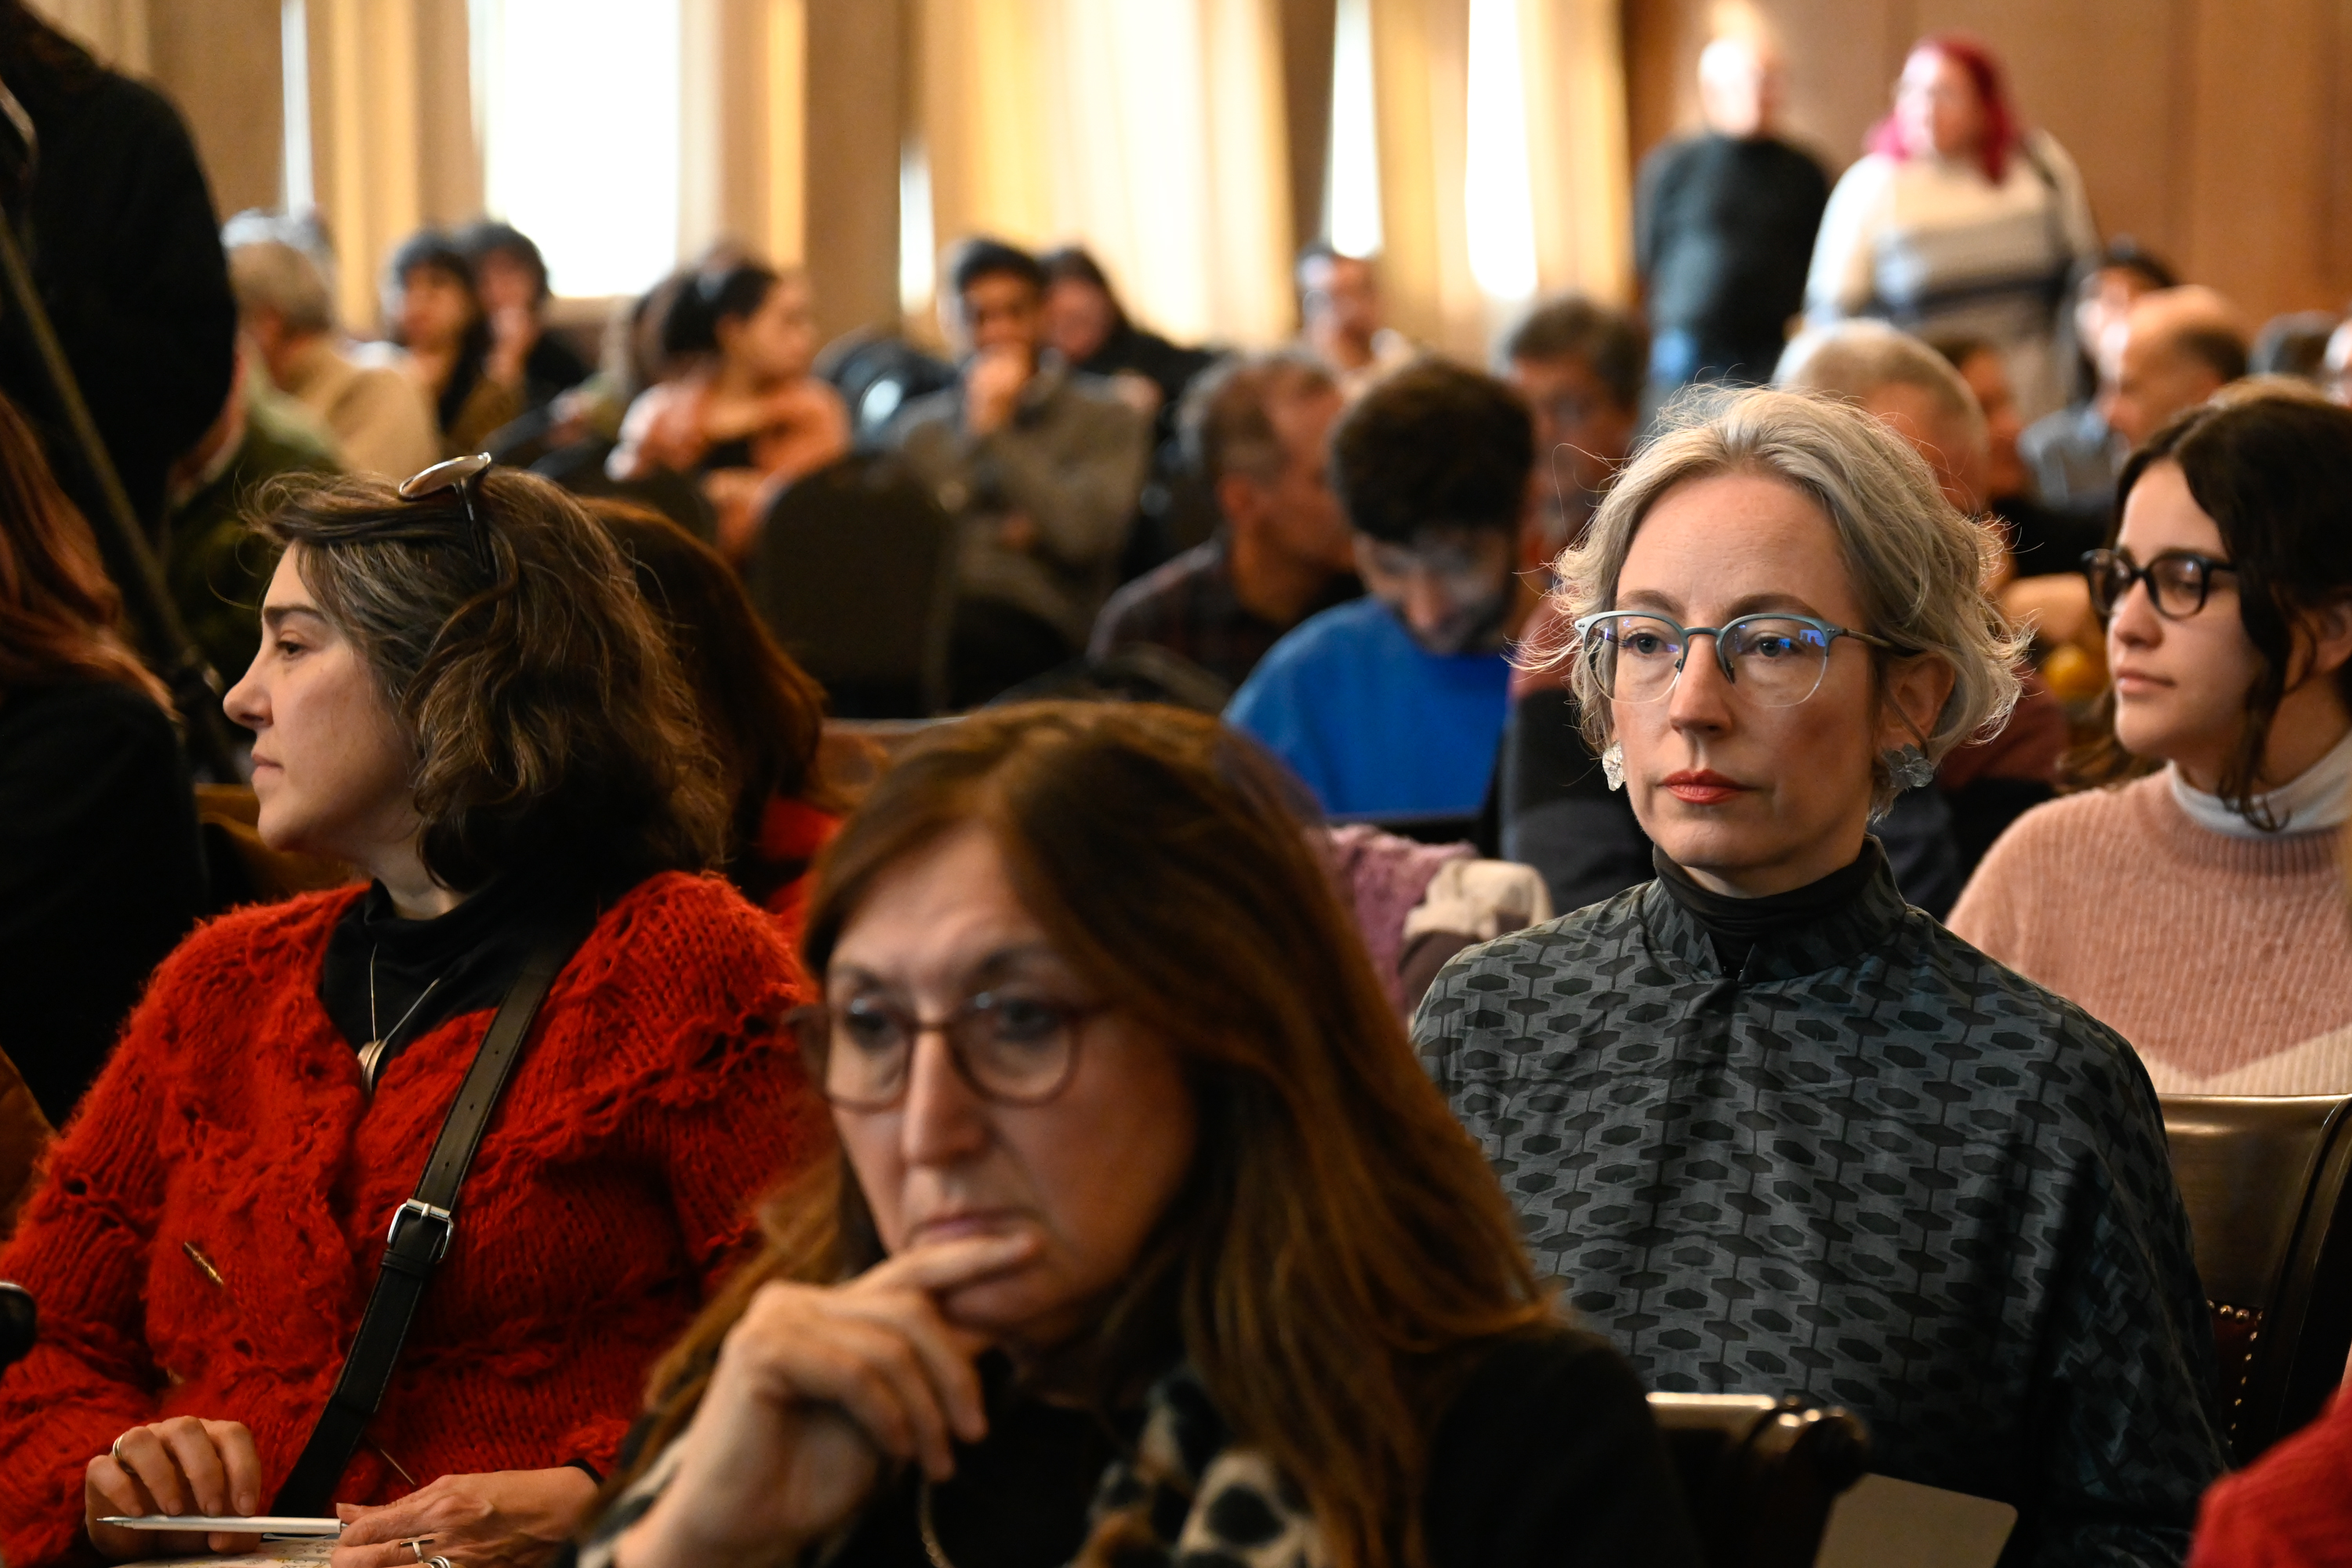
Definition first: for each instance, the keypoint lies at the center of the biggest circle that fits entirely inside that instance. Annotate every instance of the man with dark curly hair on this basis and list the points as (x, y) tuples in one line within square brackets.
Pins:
[(1392, 705)]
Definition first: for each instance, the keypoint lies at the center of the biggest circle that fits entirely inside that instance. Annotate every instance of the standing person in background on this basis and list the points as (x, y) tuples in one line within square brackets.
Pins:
[(1040, 469), (1724, 224), (2198, 909), (1339, 318), (746, 418), (101, 871), (1258, 430), (380, 419), (1958, 220), (1393, 704), (473, 378), (124, 248)]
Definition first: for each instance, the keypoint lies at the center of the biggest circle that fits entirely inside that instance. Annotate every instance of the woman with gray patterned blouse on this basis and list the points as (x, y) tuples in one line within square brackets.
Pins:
[(1776, 1132)]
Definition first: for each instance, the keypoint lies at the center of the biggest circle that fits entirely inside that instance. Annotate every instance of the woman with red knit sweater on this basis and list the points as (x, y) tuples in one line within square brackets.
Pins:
[(2198, 909), (463, 694)]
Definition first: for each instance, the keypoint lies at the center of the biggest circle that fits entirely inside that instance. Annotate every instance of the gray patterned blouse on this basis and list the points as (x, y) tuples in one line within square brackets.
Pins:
[(1872, 1166)]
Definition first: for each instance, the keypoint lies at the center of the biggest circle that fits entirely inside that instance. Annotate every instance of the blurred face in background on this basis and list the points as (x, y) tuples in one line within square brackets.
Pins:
[(506, 282), (1450, 587), (1342, 296), (1987, 376), (777, 341), (2101, 306), (430, 310), (1079, 319), (1295, 513), (1002, 312), (1739, 88), (1937, 109), (1582, 433)]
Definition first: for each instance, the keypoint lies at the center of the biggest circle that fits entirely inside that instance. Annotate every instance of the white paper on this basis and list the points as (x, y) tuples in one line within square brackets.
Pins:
[(1881, 1520)]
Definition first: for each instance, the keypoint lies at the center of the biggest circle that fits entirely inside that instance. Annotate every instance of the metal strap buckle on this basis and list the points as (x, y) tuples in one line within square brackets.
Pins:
[(425, 1214)]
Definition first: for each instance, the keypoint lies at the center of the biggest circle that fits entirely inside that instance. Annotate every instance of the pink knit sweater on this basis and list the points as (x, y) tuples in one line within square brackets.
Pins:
[(2214, 956)]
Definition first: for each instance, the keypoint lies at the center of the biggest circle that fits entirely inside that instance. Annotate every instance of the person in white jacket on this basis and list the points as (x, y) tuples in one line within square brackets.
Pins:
[(1958, 220)]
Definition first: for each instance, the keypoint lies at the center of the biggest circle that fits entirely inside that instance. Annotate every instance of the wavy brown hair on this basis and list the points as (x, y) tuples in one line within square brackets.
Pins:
[(547, 713), (60, 614), (1340, 1251), (765, 714)]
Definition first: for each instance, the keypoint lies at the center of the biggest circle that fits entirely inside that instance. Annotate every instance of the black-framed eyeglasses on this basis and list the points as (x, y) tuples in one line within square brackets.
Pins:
[(1776, 660), (1011, 1048), (463, 475), (2179, 580)]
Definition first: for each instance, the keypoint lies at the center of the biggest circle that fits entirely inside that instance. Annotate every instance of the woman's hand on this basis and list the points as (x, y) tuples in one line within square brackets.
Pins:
[(814, 1388), (506, 1519), (180, 1466)]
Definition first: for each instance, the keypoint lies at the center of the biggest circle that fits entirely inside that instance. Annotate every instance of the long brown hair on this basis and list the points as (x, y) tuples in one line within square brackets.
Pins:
[(547, 713), (764, 713), (59, 614), (1340, 1246)]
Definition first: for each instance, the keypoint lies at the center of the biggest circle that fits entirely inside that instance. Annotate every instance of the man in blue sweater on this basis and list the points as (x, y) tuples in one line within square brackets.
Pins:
[(1392, 705)]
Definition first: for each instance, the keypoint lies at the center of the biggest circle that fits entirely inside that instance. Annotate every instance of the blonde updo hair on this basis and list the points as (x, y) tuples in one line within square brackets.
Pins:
[(1918, 566)]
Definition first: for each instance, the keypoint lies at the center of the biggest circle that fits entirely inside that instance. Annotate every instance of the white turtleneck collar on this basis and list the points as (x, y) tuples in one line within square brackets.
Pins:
[(2318, 798)]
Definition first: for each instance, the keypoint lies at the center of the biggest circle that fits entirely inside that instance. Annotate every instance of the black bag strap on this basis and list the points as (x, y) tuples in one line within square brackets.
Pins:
[(418, 1240)]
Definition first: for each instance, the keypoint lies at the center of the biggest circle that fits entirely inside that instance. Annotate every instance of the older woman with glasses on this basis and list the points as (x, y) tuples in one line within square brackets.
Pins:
[(2196, 906), (251, 1300), (1150, 1241), (1778, 1132)]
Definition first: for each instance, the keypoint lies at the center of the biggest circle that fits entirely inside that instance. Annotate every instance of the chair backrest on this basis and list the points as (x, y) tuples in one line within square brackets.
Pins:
[(2264, 1182), (854, 573), (1761, 1474)]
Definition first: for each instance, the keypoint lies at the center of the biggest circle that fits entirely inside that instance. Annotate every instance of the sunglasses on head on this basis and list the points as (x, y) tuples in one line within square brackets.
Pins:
[(463, 475)]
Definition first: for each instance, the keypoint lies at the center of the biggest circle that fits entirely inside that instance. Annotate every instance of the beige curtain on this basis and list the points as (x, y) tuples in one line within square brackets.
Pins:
[(392, 131), (1579, 196), (1574, 61), (746, 89), (1150, 131)]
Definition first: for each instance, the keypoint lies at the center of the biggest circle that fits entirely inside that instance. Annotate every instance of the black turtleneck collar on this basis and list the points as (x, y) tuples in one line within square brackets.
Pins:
[(1734, 926)]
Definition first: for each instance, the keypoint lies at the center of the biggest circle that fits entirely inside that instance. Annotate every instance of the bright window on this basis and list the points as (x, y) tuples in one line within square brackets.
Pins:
[(578, 111), (1351, 186), (1497, 190)]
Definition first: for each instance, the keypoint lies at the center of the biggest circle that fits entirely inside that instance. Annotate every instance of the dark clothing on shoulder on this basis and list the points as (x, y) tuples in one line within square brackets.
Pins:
[(1148, 354), (125, 250), (216, 567), (1868, 1164), (2047, 541), (101, 873), (1546, 1458), (1724, 228), (1188, 606)]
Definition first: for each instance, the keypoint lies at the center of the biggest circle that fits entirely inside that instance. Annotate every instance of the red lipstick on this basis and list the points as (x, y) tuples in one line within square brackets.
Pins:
[(1703, 786)]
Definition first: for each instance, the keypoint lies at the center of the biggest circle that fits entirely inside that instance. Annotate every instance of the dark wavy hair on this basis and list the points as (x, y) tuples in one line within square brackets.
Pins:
[(713, 295), (1341, 1250), (2274, 473), (549, 716)]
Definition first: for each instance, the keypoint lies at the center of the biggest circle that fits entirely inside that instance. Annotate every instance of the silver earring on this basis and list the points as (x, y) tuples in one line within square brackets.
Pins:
[(1909, 767), (1612, 764)]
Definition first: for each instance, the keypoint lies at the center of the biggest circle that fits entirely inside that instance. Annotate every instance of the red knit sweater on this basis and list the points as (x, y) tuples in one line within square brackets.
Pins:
[(657, 1097), (2292, 1508)]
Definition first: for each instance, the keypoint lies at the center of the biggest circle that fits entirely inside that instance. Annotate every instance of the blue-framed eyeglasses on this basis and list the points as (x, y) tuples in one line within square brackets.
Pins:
[(1775, 660)]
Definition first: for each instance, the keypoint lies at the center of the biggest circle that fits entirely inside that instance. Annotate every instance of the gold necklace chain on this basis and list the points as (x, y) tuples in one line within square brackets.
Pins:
[(931, 1547)]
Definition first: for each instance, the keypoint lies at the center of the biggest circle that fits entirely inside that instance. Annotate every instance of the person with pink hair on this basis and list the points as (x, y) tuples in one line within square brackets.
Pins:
[(1958, 220)]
